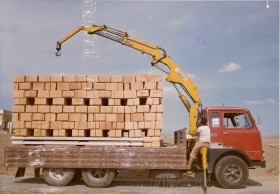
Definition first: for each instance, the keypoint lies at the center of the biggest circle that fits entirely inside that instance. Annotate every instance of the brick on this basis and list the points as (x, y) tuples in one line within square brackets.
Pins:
[(150, 85), (29, 124), (156, 144), (92, 94), (98, 133), (56, 109), (111, 86), (43, 109), (115, 79), (142, 78), (18, 93), (25, 86), (18, 78), (16, 117), (117, 94), (137, 85), (63, 86), (87, 86), (118, 125), (137, 133), (43, 78), (157, 133), (127, 117), (133, 102), (40, 101), (118, 109), (106, 109), (56, 125), (75, 86), (62, 117), (31, 78), (159, 85), (99, 117), (114, 102), (68, 78), (99, 86), (128, 79), (77, 101), (131, 133), (50, 117), (95, 101), (38, 117), (156, 124), (111, 117), (92, 78), (78, 117), (20, 101), (80, 78), (130, 125), (151, 132), (159, 117), (26, 116), (129, 94), (56, 93), (38, 86), (105, 94), (137, 117), (80, 94), (148, 144), (93, 109), (120, 87), (130, 109), (43, 94), (126, 86), (81, 109), (68, 125), (31, 93), (68, 109), (143, 108), (143, 93), (31, 108), (147, 139), (67, 94), (93, 125), (18, 124), (43, 124), (58, 101), (15, 86), (50, 86), (118, 133), (18, 108), (155, 78), (57, 78), (156, 93), (104, 78), (112, 133), (144, 125), (106, 125), (149, 116), (151, 101), (81, 125), (156, 109)]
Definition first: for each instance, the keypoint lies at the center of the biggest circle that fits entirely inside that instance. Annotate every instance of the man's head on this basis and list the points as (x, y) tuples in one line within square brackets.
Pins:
[(203, 121)]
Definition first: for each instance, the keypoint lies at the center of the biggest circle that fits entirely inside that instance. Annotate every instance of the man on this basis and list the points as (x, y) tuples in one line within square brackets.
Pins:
[(203, 133)]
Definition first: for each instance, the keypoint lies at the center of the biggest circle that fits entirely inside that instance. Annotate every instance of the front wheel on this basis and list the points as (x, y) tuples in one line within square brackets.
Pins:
[(231, 172), (98, 178), (58, 176)]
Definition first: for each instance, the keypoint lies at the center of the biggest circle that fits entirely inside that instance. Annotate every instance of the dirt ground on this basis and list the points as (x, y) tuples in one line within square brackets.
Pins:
[(270, 146)]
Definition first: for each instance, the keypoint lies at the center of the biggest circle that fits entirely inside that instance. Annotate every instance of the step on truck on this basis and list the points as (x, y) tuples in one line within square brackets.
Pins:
[(227, 160)]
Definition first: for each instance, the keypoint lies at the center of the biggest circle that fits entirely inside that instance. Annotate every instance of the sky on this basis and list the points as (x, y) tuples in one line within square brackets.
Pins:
[(230, 49)]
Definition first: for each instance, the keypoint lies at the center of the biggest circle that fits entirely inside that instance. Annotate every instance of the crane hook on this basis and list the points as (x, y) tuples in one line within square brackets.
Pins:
[(58, 49)]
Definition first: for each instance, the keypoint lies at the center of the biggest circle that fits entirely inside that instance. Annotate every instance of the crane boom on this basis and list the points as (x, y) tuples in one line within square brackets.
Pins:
[(175, 75)]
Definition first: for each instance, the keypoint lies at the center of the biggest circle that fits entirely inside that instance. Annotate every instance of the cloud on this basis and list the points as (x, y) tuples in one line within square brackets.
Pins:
[(231, 67), (269, 101)]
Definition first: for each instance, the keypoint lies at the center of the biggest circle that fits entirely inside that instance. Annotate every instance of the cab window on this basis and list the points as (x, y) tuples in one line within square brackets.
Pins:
[(237, 120), (215, 120)]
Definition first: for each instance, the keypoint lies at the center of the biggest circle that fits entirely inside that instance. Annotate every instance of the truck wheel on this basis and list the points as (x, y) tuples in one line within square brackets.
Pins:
[(98, 178), (231, 172), (58, 176)]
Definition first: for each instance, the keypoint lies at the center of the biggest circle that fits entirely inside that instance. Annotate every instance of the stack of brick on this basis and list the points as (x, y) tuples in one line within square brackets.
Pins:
[(89, 106)]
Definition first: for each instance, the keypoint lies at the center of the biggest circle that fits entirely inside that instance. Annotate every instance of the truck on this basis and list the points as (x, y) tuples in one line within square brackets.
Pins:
[(236, 143)]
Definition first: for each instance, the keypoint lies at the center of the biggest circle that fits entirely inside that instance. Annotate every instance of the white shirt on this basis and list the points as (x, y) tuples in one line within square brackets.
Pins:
[(204, 134)]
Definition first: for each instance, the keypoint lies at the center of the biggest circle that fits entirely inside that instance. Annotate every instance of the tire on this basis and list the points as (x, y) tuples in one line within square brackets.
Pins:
[(98, 178), (231, 172), (58, 176)]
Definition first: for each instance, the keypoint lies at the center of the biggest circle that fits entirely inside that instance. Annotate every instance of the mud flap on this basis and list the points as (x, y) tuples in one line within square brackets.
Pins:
[(20, 172)]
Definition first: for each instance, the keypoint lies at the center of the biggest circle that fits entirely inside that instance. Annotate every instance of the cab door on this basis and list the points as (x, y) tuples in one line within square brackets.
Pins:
[(238, 131), (215, 124)]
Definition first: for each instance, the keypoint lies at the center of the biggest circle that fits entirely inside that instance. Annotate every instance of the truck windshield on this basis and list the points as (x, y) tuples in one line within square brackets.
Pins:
[(237, 120)]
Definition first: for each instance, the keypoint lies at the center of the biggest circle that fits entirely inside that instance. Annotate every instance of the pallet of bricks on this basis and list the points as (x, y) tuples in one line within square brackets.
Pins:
[(89, 106)]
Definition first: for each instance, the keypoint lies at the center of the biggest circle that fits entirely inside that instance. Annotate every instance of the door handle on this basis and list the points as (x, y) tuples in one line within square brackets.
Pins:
[(225, 133)]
